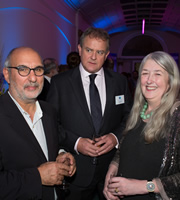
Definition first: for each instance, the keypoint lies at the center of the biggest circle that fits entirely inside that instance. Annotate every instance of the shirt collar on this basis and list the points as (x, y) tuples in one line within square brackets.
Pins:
[(38, 108), (86, 74)]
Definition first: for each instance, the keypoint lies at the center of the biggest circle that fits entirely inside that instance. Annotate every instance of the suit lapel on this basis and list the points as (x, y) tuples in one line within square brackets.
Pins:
[(48, 134), (78, 89), (21, 127), (109, 80)]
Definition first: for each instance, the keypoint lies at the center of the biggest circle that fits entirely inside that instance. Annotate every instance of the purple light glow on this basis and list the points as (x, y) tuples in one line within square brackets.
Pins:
[(143, 26)]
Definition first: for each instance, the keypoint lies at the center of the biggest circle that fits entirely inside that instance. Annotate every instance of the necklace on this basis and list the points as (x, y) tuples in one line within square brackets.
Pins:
[(142, 113)]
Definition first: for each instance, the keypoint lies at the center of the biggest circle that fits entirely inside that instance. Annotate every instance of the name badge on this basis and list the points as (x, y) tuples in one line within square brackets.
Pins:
[(119, 99)]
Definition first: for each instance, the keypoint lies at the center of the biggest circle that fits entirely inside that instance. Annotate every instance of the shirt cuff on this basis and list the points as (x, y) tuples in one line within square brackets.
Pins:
[(116, 141), (75, 146), (61, 150)]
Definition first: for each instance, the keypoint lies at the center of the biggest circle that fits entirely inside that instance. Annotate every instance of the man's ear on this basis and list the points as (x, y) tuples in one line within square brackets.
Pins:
[(107, 54), (79, 48), (6, 74)]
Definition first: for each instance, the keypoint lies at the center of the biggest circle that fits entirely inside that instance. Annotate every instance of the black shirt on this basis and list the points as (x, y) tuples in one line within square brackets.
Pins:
[(140, 160)]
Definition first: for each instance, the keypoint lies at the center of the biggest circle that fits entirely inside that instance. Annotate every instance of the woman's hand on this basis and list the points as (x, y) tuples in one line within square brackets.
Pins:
[(113, 168), (120, 186)]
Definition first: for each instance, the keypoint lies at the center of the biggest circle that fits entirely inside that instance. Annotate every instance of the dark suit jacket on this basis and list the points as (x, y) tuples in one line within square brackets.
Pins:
[(21, 154), (44, 92), (67, 95)]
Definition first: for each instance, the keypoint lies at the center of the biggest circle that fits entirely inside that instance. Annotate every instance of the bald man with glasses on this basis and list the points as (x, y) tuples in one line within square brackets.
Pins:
[(30, 166)]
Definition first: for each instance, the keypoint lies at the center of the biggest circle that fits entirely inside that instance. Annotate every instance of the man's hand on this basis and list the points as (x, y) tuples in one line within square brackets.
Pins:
[(105, 143), (87, 147), (52, 173), (68, 160)]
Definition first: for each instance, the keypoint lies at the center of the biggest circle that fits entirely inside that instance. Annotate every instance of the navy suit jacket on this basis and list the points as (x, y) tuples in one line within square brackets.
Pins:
[(21, 154), (67, 95)]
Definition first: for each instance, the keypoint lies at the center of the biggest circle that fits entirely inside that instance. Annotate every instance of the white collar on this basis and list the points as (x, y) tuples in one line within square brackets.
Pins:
[(86, 74)]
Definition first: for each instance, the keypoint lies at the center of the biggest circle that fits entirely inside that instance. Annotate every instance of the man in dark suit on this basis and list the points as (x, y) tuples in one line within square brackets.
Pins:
[(92, 147), (30, 166)]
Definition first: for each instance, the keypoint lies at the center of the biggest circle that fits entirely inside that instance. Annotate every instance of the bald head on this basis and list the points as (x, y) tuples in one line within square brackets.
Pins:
[(19, 52)]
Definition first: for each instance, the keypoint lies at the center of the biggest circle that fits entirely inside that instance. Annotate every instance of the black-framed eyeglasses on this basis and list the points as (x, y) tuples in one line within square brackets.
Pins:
[(25, 71)]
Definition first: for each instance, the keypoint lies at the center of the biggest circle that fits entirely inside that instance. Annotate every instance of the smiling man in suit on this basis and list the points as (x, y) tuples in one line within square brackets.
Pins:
[(93, 104), (30, 166)]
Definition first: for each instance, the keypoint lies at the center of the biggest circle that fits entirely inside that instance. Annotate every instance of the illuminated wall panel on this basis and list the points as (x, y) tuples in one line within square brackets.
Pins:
[(39, 24)]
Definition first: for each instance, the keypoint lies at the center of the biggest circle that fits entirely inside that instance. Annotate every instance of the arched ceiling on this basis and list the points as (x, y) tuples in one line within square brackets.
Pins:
[(122, 15)]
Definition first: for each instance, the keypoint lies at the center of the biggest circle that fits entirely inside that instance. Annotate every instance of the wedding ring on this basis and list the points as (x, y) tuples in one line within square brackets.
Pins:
[(116, 190)]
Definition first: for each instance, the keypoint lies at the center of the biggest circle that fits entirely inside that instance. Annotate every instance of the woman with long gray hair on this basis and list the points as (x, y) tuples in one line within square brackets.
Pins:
[(147, 162)]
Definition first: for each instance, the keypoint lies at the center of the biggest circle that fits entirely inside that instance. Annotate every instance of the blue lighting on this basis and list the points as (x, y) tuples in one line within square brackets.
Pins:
[(15, 8), (169, 29), (102, 22), (22, 8), (63, 17), (73, 3), (114, 18), (63, 34), (118, 29), (105, 22), (17, 30)]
